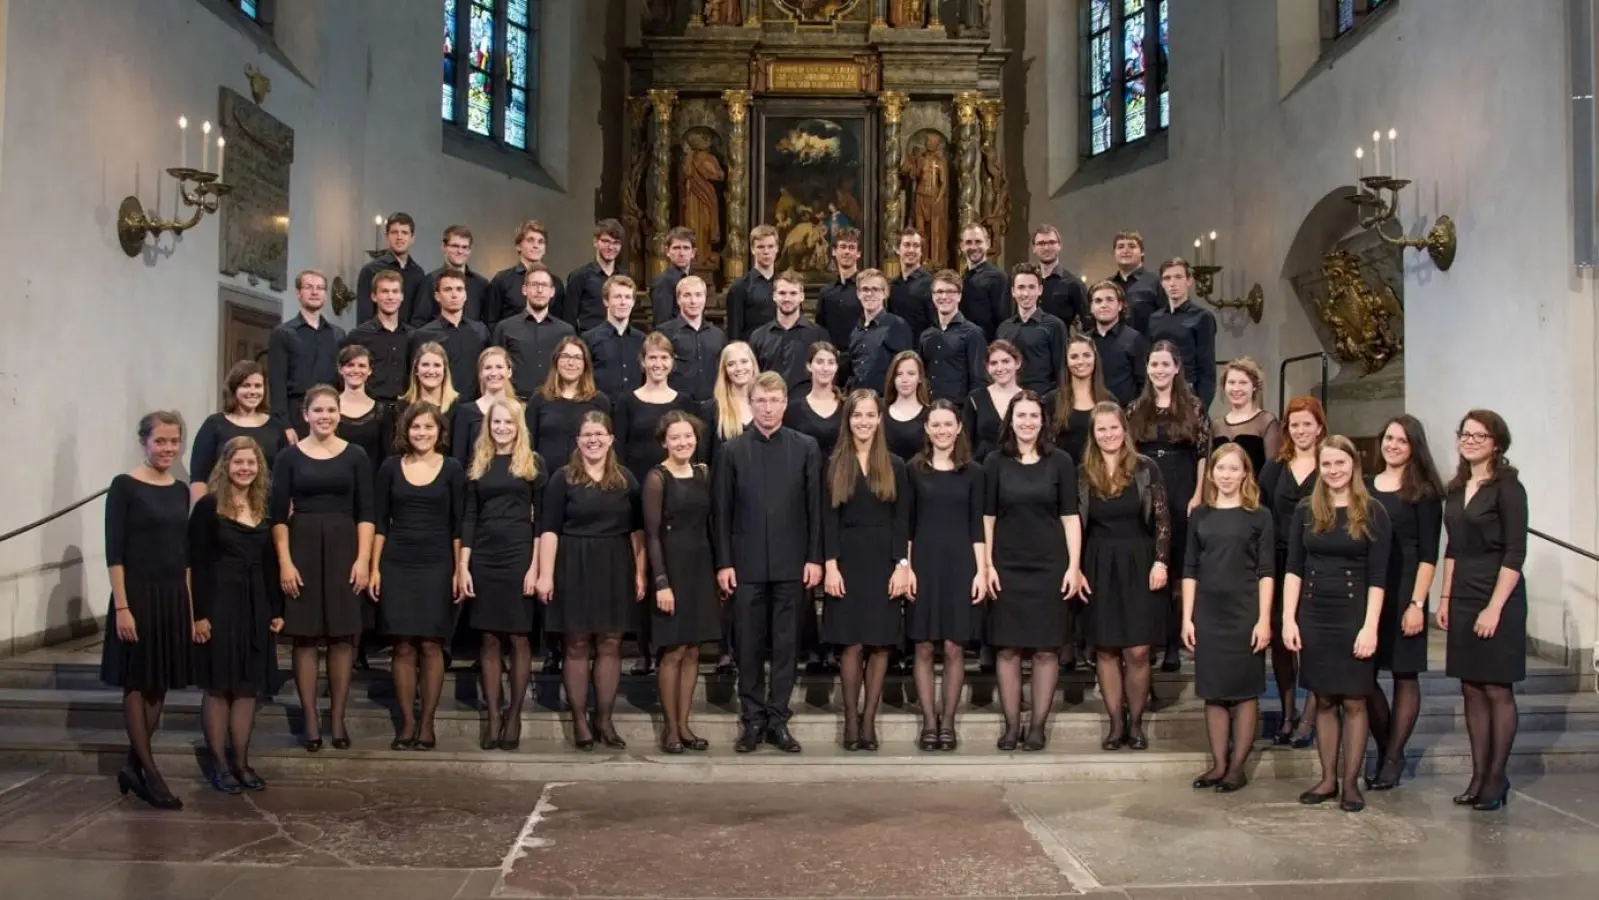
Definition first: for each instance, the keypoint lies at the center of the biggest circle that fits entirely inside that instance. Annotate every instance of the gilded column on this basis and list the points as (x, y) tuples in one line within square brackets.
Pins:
[(662, 100), (996, 186), (736, 247), (892, 103), (879, 13), (967, 156)]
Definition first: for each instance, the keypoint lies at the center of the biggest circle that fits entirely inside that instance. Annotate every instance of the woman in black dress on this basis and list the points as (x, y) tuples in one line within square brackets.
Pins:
[(983, 415), (1409, 489), (1170, 426), (148, 647), (244, 414), (1338, 545), (640, 411), (499, 563), (1071, 405), (1287, 481), (326, 482), (1126, 547), (237, 607), (1245, 422), (728, 413), (687, 610), (556, 410), (864, 531), (1227, 596), (420, 499), (493, 384), (591, 573), (818, 414), (1034, 541), (948, 579), (905, 422), (429, 382), (363, 421), (1484, 603)]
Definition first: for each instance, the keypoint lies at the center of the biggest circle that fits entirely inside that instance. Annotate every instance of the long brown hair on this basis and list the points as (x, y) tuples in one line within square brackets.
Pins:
[(960, 455), (1185, 411), (220, 486), (843, 469), (1323, 515), (402, 434), (585, 390), (1061, 414), (1248, 489), (923, 396), (1008, 444), (1419, 479), (237, 375), (1306, 404), (577, 473), (1499, 433), (1107, 482)]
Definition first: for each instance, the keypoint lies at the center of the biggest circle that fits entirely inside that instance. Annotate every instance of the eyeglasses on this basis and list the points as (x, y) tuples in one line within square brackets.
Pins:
[(1473, 437), (948, 292), (570, 357), (874, 289)]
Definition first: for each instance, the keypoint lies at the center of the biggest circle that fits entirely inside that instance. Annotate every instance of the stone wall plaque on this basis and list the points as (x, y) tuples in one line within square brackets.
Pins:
[(858, 75), (255, 216)]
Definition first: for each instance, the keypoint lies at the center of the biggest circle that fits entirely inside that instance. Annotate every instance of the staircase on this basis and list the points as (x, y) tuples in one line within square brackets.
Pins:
[(55, 714)]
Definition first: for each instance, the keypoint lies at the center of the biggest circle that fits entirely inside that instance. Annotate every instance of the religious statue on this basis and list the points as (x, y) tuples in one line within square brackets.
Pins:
[(1359, 317), (633, 216), (926, 172), (723, 12), (979, 16), (658, 15), (996, 217), (907, 13), (698, 206)]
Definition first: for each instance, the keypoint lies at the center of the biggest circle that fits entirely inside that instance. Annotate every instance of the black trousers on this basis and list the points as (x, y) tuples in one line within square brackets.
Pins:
[(766, 625)]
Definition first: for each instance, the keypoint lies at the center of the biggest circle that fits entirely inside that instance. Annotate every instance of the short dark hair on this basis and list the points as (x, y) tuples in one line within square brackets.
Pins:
[(680, 233), (847, 235), (400, 218), (908, 231), (1027, 268), (455, 274), (674, 417), (1176, 262), (538, 267), (458, 231), (609, 228), (1128, 236)]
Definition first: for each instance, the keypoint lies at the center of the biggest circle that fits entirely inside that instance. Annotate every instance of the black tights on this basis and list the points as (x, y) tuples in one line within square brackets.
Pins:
[(859, 667), (341, 663), (607, 651), (675, 679), (141, 717), (1124, 673), (1391, 726), (1353, 710), (229, 716), (1491, 720), (407, 651), (1046, 676), (489, 663), (1285, 670), (1234, 721), (954, 680)]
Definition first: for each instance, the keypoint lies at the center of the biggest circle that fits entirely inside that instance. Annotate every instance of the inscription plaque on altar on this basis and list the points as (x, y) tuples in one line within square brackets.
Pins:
[(255, 216), (816, 76)]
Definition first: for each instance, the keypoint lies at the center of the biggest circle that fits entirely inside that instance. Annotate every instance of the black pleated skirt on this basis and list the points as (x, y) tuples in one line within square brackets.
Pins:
[(163, 656), (594, 589), (323, 547), (1122, 610)]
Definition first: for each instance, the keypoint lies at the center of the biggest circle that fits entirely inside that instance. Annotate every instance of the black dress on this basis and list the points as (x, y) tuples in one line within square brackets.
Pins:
[(803, 418), (1072, 435), (234, 573), (419, 525), (146, 533), (1178, 459), (1487, 534), (1335, 571), (1257, 435), (946, 520), (498, 528), (1416, 527), (1229, 551), (677, 535), (465, 426), (982, 422), (866, 537), (636, 424), (594, 566), (214, 434), (373, 432), (1027, 502), (553, 425), (1123, 537), (1281, 494), (328, 498), (905, 439)]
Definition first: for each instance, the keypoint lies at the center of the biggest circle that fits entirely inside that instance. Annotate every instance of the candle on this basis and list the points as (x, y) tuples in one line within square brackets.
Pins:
[(183, 141), (377, 222), (1360, 158), (1213, 248), (1199, 251), (1393, 150), (1376, 152), (205, 146), (222, 146)]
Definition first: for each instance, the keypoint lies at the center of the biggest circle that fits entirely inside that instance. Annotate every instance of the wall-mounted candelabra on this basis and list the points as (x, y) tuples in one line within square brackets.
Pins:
[(197, 189), (1253, 303), (1375, 210)]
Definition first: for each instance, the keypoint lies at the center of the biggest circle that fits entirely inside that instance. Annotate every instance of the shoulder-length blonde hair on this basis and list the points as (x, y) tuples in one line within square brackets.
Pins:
[(923, 395), (584, 389), (524, 464), (413, 389), (728, 423), (1323, 515), (505, 356), (1107, 482), (1248, 489), (220, 486), (843, 470), (614, 478)]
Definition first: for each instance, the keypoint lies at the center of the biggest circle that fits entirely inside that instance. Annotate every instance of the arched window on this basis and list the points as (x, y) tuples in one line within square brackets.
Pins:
[(491, 70), (1124, 49)]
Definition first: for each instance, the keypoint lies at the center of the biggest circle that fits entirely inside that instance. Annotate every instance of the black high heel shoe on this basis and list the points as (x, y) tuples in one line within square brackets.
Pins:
[(510, 744), (1008, 739), (491, 737), (224, 782), (162, 799), (1468, 798), (928, 741), (129, 780), (1113, 742), (341, 742), (608, 736), (947, 739), (1388, 775), (1284, 737), (869, 739), (852, 744), (313, 745), (1491, 804), (1314, 798)]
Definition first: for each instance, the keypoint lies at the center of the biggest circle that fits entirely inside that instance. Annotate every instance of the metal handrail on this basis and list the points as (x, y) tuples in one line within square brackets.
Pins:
[(1282, 376), (1560, 543), (53, 516)]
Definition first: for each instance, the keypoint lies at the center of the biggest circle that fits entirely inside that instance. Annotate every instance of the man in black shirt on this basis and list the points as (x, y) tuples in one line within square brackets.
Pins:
[(457, 251), (784, 344), (696, 344), (530, 336), (302, 353), (1063, 297), (1123, 351), (767, 536), (585, 287), (910, 296), (506, 297), (615, 345), (663, 293), (1140, 290), (839, 308), (877, 337), (985, 297), (386, 338), (953, 348), (749, 300), (1038, 335), (398, 232), (1189, 327), (461, 338)]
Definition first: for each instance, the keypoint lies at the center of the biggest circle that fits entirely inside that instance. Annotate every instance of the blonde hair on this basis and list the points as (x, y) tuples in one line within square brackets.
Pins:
[(413, 389), (728, 423), (1104, 481), (510, 367), (524, 464), (1251, 370), (220, 486), (1323, 515), (1248, 489)]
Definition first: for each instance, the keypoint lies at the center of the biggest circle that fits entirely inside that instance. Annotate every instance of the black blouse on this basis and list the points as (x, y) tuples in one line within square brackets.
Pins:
[(905, 439), (572, 510), (341, 485), (1415, 532), (863, 509), (636, 423), (1487, 534), (147, 527), (1333, 560), (804, 418), (1281, 494), (553, 425), (373, 432), (214, 434), (420, 515), (1230, 550)]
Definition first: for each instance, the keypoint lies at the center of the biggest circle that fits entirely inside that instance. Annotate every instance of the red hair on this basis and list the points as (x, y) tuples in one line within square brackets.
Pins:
[(1306, 404)]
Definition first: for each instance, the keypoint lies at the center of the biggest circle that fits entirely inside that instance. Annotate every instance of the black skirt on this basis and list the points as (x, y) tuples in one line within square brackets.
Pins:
[(594, 588), (1396, 652), (323, 548), (1225, 668), (1122, 610), (1501, 659), (163, 656), (242, 651), (1329, 622), (415, 601), (697, 606), (943, 608), (500, 606), (865, 614)]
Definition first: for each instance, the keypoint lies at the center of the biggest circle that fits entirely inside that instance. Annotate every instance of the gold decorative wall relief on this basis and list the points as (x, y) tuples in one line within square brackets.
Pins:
[(1361, 318), (817, 12)]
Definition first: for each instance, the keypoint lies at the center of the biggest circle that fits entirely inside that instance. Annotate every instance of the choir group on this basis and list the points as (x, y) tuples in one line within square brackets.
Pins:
[(937, 461)]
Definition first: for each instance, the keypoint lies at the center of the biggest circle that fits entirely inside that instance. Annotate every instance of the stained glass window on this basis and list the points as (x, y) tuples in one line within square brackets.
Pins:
[(1165, 92), (1349, 13), (1346, 15), (1100, 76), (490, 71), (1125, 48)]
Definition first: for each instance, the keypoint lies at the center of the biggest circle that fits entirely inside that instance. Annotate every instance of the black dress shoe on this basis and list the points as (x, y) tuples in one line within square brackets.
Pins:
[(1387, 775), (782, 739), (696, 743), (1113, 742), (1007, 738), (250, 780), (947, 739), (1205, 782), (224, 782), (1172, 663), (1227, 786), (313, 746), (1352, 804), (403, 743), (1491, 804), (341, 743), (1037, 738), (1313, 798), (748, 740), (673, 747), (1136, 740)]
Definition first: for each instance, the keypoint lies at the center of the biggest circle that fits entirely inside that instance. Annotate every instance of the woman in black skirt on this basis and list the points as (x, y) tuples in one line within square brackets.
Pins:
[(1287, 481), (1484, 601), (948, 579), (1227, 595), (1034, 541), (818, 413), (237, 607), (591, 573), (499, 565), (1338, 547), (324, 555), (244, 414), (148, 647), (907, 396), (420, 498), (1126, 547), (1409, 489), (864, 532), (983, 415), (1071, 405), (1170, 426), (493, 384), (687, 610)]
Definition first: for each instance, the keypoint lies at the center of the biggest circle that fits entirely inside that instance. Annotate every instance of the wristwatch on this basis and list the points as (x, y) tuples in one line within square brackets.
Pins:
[(902, 562)]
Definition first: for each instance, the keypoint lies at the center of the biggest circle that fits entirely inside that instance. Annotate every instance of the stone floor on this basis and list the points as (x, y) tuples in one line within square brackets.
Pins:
[(72, 836)]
